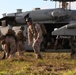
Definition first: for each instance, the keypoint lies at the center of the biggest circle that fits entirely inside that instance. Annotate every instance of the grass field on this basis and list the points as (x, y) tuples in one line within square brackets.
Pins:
[(51, 64)]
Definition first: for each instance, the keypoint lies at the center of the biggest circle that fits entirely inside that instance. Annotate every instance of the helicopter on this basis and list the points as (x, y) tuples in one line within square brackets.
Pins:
[(51, 18)]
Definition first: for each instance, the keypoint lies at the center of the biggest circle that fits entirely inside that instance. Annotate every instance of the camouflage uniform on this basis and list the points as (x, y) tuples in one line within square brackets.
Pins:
[(20, 42), (0, 33), (22, 28), (10, 43), (35, 33)]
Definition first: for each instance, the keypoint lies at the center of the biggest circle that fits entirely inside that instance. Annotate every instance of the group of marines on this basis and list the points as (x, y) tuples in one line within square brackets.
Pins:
[(13, 42)]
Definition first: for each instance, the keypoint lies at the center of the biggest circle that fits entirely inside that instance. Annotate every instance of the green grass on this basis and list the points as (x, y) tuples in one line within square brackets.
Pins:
[(52, 64), (70, 72)]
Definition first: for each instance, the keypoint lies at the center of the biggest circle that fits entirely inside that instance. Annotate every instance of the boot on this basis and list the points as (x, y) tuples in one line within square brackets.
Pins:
[(39, 57), (4, 56), (11, 56)]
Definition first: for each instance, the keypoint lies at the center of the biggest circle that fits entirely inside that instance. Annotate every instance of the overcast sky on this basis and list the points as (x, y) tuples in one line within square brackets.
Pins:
[(10, 6)]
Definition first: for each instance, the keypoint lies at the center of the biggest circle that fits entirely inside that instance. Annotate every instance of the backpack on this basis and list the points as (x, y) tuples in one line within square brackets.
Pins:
[(20, 36), (43, 28)]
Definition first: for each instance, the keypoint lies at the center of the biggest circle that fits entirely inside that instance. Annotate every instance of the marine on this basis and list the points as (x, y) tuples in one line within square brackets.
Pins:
[(8, 42), (21, 38), (73, 46), (35, 35)]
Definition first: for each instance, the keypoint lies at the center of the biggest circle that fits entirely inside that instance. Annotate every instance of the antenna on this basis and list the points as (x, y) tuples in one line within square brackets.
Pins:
[(55, 4)]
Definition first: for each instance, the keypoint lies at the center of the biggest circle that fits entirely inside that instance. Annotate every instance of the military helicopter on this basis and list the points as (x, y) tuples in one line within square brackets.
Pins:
[(51, 18)]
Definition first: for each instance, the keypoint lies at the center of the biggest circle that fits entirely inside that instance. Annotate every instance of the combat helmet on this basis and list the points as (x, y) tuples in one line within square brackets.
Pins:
[(28, 19), (10, 32)]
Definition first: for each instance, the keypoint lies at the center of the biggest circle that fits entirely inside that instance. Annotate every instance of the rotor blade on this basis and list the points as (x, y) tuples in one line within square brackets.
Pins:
[(7, 18)]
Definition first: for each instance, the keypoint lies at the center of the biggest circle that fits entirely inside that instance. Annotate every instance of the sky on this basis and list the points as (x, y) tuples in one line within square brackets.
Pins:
[(10, 6)]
